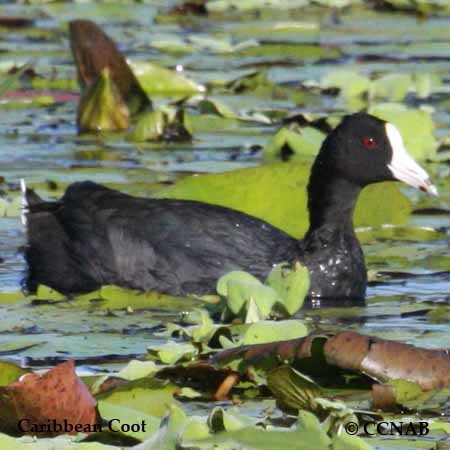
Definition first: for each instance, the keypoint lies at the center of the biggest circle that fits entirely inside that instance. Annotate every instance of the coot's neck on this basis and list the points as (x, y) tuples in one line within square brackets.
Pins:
[(331, 200)]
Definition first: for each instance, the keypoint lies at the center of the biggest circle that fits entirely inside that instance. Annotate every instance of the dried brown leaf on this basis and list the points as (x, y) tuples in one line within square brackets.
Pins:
[(58, 395), (93, 50)]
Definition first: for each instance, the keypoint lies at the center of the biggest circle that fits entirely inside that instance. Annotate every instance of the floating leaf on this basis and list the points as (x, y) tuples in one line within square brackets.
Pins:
[(136, 369), (9, 373), (10, 81), (293, 390), (255, 82), (145, 395), (150, 127), (287, 144), (426, 83), (157, 80), (225, 420), (214, 107), (242, 294), (350, 83), (416, 127), (299, 52), (309, 434), (393, 86), (217, 6), (117, 297), (168, 125), (236, 276), (172, 352), (292, 286), (120, 415), (269, 331), (66, 399)]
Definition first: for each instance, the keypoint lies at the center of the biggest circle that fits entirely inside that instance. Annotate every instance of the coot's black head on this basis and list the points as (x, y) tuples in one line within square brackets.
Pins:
[(364, 149)]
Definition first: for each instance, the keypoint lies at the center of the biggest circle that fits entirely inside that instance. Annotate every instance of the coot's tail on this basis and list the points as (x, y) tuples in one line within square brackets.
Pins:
[(47, 252)]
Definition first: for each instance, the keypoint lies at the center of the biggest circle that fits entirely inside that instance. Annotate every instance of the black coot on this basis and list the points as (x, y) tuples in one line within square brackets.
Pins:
[(95, 236)]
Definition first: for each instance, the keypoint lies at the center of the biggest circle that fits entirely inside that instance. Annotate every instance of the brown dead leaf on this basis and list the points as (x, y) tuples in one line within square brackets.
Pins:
[(203, 377), (383, 397), (286, 351), (93, 50), (379, 359), (385, 360), (15, 22), (196, 7), (56, 397)]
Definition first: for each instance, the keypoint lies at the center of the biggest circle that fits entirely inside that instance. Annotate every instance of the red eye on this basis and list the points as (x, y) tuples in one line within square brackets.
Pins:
[(369, 142)]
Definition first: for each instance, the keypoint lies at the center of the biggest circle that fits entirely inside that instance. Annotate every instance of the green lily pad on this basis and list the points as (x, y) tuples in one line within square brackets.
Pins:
[(392, 87), (309, 433), (416, 127), (172, 352), (219, 6), (157, 80), (161, 125), (295, 52), (292, 286), (221, 419), (209, 106), (350, 83), (291, 145), (146, 395), (9, 373), (150, 127), (136, 369), (241, 294), (120, 415), (268, 331)]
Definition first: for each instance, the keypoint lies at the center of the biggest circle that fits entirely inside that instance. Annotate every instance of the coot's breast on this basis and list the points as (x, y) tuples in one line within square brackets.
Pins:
[(336, 264)]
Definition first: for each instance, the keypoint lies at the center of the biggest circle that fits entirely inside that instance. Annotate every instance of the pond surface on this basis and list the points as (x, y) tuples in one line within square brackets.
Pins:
[(294, 49)]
